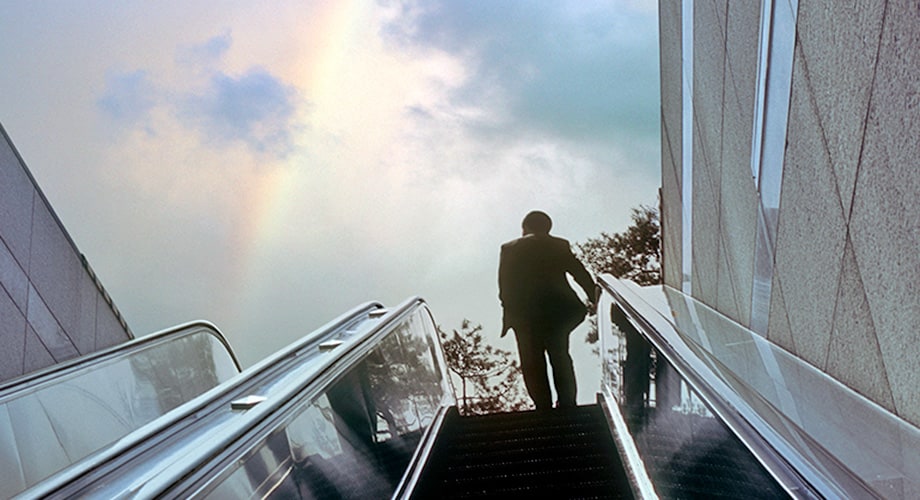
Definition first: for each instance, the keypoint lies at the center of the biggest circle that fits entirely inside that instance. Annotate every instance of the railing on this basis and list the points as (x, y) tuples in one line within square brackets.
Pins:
[(341, 411), (56, 417), (817, 437)]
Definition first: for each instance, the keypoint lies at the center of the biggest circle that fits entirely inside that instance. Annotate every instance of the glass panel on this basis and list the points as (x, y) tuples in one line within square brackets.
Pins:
[(687, 452), (774, 85), (687, 143), (763, 278), (838, 440), (355, 439), (825, 419), (62, 419), (766, 14), (779, 86)]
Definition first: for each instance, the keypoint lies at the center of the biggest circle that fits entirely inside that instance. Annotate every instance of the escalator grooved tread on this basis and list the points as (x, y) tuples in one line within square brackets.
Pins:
[(499, 456), (561, 453)]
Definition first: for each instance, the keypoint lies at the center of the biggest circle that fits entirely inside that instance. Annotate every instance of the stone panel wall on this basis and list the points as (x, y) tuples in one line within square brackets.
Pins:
[(845, 293), (52, 306)]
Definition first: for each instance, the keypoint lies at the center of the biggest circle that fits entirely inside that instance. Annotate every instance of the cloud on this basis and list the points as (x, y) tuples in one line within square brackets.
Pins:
[(205, 54), (128, 99), (576, 69), (255, 108)]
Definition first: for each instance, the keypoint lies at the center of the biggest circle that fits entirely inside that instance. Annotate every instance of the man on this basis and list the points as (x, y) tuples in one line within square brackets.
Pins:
[(541, 307)]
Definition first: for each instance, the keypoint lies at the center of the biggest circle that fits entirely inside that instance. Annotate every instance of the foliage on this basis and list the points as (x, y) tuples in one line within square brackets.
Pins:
[(634, 254), (489, 377)]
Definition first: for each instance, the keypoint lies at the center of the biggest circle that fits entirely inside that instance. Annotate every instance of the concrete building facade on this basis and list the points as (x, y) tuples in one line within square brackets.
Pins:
[(52, 306), (791, 179)]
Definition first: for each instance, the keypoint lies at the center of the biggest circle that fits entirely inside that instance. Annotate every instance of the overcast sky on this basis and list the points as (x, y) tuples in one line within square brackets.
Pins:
[(268, 165)]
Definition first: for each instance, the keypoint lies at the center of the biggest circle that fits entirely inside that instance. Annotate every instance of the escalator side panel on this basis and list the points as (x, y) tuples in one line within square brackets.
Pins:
[(355, 439), (48, 423), (338, 414), (686, 450)]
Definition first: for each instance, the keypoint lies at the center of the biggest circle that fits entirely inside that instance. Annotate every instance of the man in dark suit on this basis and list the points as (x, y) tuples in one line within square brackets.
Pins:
[(541, 307)]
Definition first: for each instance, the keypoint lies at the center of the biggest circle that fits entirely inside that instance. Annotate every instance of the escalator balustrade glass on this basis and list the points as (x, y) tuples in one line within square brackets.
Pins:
[(355, 438), (687, 452), (50, 422), (817, 436)]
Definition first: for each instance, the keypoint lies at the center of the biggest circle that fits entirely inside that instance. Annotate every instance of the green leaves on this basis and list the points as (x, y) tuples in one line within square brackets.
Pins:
[(634, 254)]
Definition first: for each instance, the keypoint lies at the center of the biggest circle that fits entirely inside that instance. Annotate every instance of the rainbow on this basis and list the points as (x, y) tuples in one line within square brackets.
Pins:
[(267, 202)]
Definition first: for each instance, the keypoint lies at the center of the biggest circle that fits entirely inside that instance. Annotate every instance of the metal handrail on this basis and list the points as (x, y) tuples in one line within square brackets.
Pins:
[(703, 385), (792, 471), (192, 412), (50, 374), (423, 453), (177, 481)]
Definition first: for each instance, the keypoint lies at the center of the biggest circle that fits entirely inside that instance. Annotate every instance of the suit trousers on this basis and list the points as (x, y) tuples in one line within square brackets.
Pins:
[(536, 342)]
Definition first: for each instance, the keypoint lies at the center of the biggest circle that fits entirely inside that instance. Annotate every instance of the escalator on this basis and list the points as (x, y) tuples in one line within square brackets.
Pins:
[(700, 393), (71, 420), (364, 408), (54, 418), (327, 417)]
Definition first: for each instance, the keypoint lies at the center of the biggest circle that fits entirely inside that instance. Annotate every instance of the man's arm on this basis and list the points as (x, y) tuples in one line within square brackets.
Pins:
[(504, 273), (504, 288), (582, 276)]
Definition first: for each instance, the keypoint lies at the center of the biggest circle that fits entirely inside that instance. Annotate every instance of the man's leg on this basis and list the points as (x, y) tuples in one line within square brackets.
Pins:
[(533, 367), (557, 346)]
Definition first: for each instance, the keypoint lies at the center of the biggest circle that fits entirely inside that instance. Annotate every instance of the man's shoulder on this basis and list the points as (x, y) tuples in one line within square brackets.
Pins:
[(559, 241), (515, 242), (531, 241)]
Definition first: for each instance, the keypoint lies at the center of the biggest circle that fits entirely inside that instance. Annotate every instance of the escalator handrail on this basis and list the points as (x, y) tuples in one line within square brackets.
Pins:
[(177, 480), (51, 374), (730, 412), (423, 453), (195, 409)]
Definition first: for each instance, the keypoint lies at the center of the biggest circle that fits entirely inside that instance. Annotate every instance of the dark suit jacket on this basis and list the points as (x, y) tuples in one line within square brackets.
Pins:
[(533, 287)]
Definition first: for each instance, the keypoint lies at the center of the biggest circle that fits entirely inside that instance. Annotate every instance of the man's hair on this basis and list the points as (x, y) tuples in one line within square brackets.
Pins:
[(537, 222)]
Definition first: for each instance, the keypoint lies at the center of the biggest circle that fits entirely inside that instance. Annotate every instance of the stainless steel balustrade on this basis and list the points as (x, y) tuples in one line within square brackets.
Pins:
[(352, 432), (56, 417), (816, 436), (156, 432), (357, 393), (352, 409)]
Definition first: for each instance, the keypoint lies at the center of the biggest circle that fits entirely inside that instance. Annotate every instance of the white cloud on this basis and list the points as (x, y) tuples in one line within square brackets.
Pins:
[(128, 99), (207, 54), (255, 108)]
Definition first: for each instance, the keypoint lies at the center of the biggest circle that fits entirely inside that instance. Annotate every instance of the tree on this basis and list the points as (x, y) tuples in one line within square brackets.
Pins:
[(489, 377), (634, 254)]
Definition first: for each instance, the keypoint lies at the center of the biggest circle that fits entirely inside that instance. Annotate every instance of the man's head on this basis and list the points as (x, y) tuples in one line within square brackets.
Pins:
[(537, 222)]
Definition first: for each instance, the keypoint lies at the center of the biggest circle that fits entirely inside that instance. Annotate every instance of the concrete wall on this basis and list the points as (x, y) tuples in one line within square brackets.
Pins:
[(52, 307), (845, 288)]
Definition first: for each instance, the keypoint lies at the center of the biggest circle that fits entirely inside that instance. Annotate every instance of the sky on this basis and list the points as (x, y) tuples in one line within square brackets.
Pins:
[(267, 166)]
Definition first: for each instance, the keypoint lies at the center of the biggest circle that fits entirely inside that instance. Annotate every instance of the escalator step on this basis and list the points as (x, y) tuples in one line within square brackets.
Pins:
[(558, 454)]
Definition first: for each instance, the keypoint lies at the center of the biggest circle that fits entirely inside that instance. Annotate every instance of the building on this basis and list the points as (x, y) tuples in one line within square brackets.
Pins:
[(52, 306), (790, 179)]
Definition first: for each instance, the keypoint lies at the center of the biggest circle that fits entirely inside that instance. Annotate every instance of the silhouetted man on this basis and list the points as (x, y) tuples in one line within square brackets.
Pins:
[(541, 307)]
